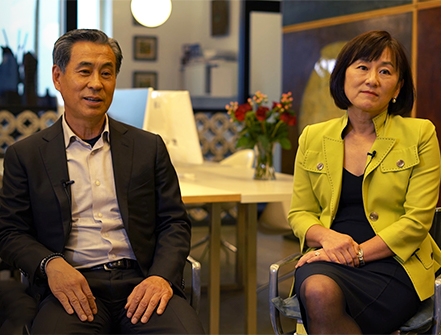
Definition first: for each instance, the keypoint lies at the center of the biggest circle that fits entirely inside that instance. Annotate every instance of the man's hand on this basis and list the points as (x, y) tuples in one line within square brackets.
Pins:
[(146, 296), (71, 288)]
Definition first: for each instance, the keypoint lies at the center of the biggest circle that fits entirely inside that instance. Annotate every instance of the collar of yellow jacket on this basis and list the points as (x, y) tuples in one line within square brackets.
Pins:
[(379, 122)]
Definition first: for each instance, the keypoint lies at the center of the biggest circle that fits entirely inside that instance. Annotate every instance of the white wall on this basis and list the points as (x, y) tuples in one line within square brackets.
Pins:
[(189, 22), (266, 61), (266, 55)]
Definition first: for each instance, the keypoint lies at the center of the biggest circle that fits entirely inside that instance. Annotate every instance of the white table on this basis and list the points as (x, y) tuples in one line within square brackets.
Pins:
[(230, 182)]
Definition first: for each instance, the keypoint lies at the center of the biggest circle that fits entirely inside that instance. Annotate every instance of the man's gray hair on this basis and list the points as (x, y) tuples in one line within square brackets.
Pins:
[(63, 46)]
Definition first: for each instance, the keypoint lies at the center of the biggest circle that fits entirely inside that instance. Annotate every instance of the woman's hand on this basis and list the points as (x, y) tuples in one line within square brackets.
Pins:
[(335, 247), (340, 248), (313, 256)]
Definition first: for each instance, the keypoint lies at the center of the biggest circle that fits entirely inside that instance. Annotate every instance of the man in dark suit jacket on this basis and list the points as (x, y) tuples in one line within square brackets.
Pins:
[(91, 209)]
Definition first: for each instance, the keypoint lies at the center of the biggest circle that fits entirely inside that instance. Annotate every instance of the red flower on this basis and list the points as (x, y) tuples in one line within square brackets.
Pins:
[(289, 119), (261, 113), (241, 111), (276, 105)]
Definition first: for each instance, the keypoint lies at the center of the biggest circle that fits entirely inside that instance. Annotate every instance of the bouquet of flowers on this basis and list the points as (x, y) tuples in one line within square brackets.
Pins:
[(261, 127), (261, 124)]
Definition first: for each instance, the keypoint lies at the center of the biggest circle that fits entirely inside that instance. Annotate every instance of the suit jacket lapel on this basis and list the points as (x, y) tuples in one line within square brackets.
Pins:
[(55, 162), (122, 160)]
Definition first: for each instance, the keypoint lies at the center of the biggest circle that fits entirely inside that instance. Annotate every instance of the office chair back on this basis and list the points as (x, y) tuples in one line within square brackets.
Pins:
[(435, 231), (242, 158)]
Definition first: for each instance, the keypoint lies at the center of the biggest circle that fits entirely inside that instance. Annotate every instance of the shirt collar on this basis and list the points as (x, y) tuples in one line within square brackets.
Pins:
[(70, 136), (380, 121)]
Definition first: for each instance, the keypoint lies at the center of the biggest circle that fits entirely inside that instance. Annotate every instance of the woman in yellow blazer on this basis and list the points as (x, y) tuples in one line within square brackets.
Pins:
[(365, 189)]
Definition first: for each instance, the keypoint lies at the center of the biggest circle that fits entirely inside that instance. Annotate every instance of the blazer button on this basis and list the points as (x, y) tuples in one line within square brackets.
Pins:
[(400, 163), (320, 166), (373, 216)]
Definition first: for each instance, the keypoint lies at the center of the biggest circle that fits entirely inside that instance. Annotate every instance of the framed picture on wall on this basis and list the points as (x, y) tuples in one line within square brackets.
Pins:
[(220, 17), (145, 79), (145, 47)]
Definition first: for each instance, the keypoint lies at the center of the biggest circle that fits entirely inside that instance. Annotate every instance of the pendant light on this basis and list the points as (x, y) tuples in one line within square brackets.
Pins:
[(151, 13)]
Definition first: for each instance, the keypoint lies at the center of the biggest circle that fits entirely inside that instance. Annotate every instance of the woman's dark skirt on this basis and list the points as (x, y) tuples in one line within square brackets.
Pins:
[(379, 296)]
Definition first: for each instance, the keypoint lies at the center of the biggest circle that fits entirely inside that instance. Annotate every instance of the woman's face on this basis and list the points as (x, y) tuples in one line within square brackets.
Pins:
[(370, 86)]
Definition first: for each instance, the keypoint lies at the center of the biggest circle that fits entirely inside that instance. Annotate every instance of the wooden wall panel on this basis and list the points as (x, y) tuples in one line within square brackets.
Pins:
[(429, 66), (301, 11), (428, 105)]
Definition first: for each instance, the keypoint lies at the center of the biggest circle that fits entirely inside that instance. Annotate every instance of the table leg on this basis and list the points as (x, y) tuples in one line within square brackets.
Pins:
[(250, 272), (214, 269), (241, 227)]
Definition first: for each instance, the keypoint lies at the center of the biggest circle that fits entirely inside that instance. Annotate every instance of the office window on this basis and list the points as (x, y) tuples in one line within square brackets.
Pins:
[(31, 26)]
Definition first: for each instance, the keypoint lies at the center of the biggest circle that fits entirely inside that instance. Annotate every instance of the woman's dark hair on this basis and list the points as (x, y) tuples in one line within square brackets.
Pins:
[(369, 46), (63, 46)]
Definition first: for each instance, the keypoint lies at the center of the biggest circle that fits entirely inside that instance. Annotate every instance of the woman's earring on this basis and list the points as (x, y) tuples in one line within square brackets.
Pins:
[(394, 100)]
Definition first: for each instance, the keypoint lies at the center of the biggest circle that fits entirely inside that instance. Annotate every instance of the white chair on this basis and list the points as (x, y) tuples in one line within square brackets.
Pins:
[(244, 158), (273, 219)]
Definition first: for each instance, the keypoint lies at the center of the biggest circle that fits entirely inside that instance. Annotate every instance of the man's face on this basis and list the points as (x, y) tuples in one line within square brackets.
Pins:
[(88, 83)]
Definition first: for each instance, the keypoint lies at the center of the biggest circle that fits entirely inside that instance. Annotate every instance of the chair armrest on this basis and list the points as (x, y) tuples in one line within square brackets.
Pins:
[(195, 299), (437, 307), (274, 290), (274, 273)]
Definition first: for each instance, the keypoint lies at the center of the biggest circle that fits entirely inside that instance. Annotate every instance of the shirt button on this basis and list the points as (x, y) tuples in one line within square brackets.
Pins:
[(400, 163), (97, 183), (100, 215), (320, 166), (373, 216)]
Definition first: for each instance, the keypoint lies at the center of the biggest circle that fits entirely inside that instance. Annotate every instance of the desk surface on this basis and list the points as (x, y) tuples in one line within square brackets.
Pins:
[(234, 180), (196, 193)]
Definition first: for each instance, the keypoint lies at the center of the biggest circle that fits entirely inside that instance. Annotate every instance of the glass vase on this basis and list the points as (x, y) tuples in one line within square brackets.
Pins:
[(264, 169)]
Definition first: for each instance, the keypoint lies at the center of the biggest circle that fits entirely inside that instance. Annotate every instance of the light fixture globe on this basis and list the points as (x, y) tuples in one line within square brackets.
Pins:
[(151, 13)]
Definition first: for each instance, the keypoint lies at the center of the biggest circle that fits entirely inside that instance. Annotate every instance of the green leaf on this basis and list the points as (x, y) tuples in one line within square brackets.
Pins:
[(285, 143), (245, 142)]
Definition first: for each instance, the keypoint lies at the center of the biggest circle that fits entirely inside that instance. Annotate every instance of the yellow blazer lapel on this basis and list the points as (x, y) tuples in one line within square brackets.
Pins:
[(382, 146), (333, 150)]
